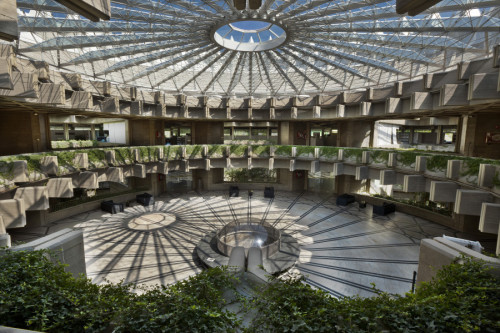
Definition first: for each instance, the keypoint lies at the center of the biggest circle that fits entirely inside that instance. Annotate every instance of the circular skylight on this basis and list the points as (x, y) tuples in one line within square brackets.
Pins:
[(284, 48), (250, 36)]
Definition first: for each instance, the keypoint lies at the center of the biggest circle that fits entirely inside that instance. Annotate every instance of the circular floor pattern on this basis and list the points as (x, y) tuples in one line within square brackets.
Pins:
[(342, 249), (149, 222)]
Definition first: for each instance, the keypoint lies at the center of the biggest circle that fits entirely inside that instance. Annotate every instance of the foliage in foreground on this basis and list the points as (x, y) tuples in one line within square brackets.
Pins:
[(461, 298), (39, 295)]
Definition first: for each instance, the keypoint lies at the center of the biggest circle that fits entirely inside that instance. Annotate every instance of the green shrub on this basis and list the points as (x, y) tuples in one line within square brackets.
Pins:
[(285, 151), (39, 295), (461, 298), (329, 152)]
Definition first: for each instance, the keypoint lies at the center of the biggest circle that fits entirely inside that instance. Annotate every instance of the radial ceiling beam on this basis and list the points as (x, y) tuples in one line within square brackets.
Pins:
[(266, 6), (351, 57), (150, 57), (235, 78), (333, 7), (150, 17), (403, 41), (182, 56), (466, 24), (194, 63), (281, 8), (36, 24), (221, 70), (281, 71), (313, 67), (124, 51), (73, 42), (263, 65), (329, 61), (388, 12), (296, 69), (205, 68), (165, 7), (386, 52)]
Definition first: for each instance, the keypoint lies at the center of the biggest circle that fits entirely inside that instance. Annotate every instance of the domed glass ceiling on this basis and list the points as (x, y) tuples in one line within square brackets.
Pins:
[(293, 47)]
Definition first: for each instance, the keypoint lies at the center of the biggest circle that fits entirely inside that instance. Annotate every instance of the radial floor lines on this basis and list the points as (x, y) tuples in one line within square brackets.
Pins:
[(343, 249)]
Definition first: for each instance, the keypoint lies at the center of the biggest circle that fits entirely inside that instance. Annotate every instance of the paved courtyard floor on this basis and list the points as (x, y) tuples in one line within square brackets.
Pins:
[(343, 249)]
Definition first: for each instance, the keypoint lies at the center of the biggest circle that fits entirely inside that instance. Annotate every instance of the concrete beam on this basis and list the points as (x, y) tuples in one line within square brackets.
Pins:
[(421, 164), (388, 177), (74, 80), (81, 100), (13, 213), (8, 20), (35, 198), (114, 174), (453, 169), (20, 171), (453, 95), (414, 183), (483, 87), (25, 85), (489, 220), (421, 101), (60, 188), (443, 191), (469, 202), (466, 69), (81, 160), (49, 165), (362, 172), (393, 106), (486, 175), (86, 179)]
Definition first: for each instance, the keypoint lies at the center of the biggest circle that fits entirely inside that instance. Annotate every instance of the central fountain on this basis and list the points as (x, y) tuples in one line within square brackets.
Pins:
[(249, 234)]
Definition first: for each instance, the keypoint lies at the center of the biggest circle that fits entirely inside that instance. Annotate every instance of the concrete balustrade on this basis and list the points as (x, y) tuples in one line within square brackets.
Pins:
[(111, 157), (35, 197), (469, 202), (392, 160), (443, 191), (483, 86)]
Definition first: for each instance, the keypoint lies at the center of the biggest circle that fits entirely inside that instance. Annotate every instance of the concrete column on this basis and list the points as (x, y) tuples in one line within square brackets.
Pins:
[(284, 133)]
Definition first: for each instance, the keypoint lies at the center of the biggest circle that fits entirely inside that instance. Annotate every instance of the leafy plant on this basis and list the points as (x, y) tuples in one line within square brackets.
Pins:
[(284, 151), (329, 152), (261, 151), (305, 150)]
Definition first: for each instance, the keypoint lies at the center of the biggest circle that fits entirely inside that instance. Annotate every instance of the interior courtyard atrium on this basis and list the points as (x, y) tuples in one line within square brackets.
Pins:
[(350, 142)]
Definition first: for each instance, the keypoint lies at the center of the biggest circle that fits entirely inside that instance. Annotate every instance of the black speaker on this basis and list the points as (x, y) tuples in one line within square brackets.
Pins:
[(240, 4)]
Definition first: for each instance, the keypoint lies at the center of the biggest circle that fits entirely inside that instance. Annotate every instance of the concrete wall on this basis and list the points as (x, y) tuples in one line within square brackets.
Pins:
[(437, 252), (208, 132), (355, 134), (28, 138)]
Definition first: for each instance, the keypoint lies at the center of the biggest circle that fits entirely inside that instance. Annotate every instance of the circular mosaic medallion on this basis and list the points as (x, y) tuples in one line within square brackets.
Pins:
[(151, 221)]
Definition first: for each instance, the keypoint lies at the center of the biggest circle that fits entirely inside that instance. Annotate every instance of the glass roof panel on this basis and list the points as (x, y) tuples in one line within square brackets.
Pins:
[(292, 47)]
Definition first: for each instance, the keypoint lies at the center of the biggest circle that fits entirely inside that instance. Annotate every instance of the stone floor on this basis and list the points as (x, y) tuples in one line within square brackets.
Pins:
[(343, 249)]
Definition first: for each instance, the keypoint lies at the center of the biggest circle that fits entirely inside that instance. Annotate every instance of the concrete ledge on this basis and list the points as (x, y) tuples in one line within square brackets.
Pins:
[(490, 218), (67, 245), (437, 252), (443, 191), (469, 202)]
